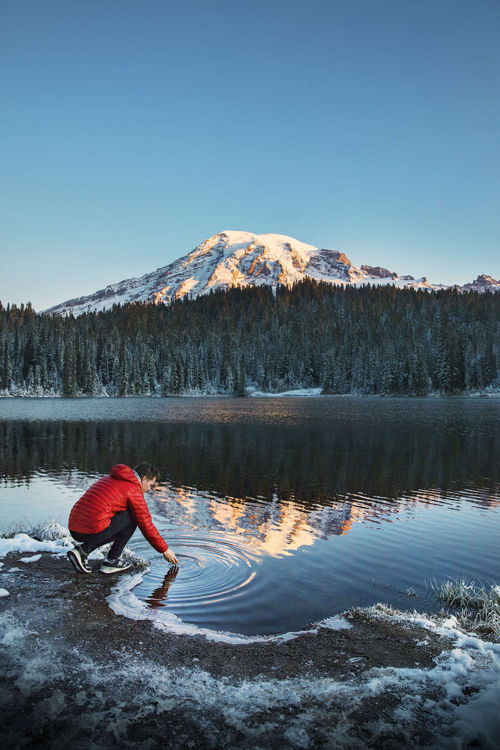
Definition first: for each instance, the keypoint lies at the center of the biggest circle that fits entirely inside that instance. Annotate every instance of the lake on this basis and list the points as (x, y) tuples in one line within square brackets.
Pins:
[(282, 511)]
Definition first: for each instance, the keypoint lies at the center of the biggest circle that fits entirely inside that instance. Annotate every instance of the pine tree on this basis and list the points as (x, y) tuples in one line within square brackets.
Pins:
[(6, 375)]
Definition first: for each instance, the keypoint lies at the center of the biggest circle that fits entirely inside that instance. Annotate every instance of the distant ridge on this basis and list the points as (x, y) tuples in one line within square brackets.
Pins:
[(234, 258)]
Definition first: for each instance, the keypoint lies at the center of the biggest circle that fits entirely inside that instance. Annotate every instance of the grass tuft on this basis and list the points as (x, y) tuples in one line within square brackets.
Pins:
[(41, 530), (478, 607)]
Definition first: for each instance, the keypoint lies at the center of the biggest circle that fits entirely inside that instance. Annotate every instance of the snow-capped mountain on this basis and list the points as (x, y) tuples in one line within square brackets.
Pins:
[(232, 258), (483, 283)]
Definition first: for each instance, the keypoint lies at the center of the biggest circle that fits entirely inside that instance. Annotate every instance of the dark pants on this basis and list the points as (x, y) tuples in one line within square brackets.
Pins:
[(119, 531)]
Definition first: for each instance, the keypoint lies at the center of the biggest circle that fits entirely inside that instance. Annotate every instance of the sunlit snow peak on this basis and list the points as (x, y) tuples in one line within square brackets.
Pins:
[(235, 258)]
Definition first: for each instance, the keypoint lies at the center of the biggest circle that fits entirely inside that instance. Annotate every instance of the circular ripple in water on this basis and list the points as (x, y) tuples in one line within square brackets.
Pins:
[(212, 569)]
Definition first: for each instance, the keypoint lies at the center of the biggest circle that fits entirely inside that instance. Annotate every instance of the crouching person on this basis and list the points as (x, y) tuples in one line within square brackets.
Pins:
[(109, 512)]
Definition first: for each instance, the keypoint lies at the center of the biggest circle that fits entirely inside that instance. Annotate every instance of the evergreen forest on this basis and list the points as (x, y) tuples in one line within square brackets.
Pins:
[(368, 340)]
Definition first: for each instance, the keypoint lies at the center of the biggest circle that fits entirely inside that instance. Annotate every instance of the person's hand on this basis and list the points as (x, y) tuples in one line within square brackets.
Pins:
[(170, 557)]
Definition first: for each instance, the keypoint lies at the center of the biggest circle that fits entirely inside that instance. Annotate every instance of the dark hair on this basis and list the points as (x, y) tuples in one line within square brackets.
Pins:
[(147, 470)]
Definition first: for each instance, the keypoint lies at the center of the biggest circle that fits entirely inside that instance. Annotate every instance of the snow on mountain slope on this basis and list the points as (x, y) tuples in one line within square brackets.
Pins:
[(234, 258), (483, 283)]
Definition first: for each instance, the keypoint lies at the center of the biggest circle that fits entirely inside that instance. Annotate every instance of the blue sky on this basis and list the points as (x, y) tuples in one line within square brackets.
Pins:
[(131, 131)]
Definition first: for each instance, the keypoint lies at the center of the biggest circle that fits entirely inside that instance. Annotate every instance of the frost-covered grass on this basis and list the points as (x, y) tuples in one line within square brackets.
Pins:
[(477, 606), (42, 531)]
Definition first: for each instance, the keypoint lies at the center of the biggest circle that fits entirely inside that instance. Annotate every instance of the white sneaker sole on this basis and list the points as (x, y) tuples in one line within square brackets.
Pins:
[(76, 561), (107, 570)]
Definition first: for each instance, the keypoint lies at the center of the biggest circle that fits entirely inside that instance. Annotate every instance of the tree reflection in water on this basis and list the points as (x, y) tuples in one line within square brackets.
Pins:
[(301, 462)]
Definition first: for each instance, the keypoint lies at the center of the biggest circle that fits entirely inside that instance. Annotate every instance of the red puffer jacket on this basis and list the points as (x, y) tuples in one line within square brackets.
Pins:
[(121, 490)]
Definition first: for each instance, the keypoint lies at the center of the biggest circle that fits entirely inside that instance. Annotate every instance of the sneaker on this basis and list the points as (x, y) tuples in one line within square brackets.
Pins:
[(78, 559), (114, 566)]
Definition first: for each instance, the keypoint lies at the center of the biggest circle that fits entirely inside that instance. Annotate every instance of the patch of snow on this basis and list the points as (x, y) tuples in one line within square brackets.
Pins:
[(3, 592), (336, 623), (477, 722), (34, 558), (25, 543), (297, 392), (186, 287)]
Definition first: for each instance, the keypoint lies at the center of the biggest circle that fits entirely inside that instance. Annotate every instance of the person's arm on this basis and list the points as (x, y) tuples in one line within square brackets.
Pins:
[(140, 511)]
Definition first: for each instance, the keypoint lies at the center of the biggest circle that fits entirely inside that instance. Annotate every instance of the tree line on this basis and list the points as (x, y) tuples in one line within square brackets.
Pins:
[(368, 340)]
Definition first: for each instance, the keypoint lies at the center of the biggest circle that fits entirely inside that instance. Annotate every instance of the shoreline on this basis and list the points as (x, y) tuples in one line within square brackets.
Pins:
[(295, 393), (74, 671)]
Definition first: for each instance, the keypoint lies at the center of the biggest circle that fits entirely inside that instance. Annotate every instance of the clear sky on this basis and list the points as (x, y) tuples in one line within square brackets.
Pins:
[(131, 130)]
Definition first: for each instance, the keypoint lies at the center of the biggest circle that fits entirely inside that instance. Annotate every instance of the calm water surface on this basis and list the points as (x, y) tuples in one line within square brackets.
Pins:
[(281, 511)]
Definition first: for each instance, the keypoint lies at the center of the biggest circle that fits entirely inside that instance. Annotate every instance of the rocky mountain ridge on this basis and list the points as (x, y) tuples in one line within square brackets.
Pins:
[(234, 258)]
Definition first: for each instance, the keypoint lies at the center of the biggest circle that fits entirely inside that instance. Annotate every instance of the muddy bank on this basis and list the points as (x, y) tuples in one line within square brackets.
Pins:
[(74, 672)]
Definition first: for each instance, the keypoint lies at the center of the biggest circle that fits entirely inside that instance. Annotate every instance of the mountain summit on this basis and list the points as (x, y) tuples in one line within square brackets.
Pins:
[(233, 258)]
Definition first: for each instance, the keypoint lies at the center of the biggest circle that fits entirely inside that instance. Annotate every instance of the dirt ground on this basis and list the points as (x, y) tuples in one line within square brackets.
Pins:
[(75, 674)]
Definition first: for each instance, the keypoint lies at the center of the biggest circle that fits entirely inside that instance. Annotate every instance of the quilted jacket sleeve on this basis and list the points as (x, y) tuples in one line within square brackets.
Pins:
[(140, 511)]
